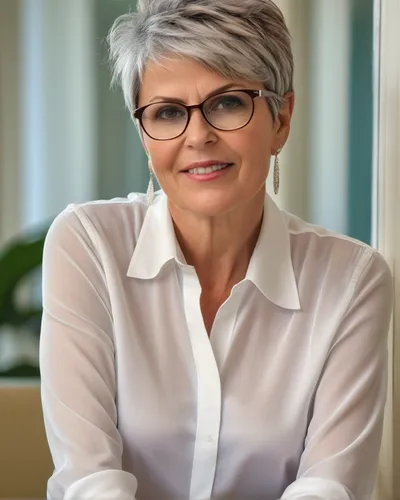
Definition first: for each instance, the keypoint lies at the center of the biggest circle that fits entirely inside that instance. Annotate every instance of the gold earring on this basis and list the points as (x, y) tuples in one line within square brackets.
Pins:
[(150, 188), (276, 172)]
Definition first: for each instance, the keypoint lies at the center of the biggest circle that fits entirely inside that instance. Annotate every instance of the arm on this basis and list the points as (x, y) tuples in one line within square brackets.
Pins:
[(78, 380), (341, 451)]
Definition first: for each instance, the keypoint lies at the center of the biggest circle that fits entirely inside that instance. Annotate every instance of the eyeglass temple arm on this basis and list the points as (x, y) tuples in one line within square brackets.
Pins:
[(269, 93)]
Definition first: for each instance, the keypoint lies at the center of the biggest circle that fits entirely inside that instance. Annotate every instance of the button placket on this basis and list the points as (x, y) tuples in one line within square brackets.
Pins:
[(208, 391), (223, 329)]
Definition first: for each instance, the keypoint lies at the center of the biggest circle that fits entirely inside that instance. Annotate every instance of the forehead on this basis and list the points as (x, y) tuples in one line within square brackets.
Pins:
[(182, 78)]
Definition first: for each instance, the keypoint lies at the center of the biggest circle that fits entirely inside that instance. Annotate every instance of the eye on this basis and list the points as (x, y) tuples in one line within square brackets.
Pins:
[(169, 113), (227, 102)]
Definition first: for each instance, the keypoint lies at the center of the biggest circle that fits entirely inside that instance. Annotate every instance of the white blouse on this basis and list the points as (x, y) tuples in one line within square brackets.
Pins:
[(283, 401)]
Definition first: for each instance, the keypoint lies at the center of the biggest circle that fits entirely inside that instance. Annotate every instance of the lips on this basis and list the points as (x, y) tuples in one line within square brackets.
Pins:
[(205, 164), (208, 170)]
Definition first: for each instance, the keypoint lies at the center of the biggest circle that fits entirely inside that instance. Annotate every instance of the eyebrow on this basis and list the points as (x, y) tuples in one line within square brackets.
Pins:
[(181, 101)]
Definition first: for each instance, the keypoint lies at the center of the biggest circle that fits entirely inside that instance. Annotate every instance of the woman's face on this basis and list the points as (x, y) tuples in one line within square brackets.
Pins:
[(248, 149)]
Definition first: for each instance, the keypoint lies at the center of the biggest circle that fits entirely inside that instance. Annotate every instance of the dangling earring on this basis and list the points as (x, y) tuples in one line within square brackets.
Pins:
[(276, 172), (150, 188)]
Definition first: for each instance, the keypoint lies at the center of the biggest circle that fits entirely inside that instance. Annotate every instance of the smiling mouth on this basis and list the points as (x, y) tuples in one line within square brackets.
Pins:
[(208, 170)]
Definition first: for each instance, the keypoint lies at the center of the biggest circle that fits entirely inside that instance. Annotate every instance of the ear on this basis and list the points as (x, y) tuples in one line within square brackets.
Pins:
[(282, 122)]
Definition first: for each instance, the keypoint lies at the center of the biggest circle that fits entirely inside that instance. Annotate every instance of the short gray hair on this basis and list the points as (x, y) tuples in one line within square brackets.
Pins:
[(246, 39)]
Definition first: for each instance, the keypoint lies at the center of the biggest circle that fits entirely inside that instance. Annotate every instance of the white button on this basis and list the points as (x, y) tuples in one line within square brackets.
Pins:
[(210, 439)]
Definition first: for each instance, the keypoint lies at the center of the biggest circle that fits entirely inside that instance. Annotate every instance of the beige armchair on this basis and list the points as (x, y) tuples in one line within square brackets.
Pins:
[(25, 460)]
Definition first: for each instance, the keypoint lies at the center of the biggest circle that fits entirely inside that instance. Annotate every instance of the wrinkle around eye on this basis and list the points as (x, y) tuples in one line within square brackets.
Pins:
[(180, 113)]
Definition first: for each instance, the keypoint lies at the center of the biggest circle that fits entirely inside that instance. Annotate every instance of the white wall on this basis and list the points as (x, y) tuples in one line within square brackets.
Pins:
[(387, 228)]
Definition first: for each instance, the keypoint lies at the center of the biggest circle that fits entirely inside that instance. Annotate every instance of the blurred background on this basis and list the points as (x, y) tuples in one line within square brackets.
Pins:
[(65, 137)]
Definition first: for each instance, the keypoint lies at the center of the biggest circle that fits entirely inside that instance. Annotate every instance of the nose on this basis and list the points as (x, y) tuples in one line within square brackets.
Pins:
[(199, 132)]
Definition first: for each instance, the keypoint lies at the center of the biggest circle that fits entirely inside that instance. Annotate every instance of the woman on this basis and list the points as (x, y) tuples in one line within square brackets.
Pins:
[(200, 343)]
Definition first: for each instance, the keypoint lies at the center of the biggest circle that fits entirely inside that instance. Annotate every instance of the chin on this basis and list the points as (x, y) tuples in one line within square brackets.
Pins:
[(212, 205)]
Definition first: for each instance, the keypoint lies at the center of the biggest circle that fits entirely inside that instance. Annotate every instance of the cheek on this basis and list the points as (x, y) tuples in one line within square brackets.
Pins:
[(254, 147), (163, 156), (254, 142)]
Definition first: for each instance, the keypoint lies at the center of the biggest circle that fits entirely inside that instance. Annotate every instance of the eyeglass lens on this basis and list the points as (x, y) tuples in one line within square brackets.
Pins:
[(227, 111)]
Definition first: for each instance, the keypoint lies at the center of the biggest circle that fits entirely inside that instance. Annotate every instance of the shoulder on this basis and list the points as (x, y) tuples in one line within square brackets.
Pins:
[(100, 224), (338, 263), (104, 216)]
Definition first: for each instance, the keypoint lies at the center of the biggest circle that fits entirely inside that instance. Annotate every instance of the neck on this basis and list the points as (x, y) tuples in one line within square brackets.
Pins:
[(219, 247)]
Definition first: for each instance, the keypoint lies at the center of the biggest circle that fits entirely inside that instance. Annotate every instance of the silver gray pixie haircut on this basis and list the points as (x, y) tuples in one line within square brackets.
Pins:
[(239, 39)]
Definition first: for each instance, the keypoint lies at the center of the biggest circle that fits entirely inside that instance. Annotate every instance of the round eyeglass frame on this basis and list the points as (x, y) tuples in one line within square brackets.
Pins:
[(138, 113)]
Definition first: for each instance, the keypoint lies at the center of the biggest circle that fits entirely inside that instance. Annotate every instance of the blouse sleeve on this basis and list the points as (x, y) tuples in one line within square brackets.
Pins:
[(342, 445), (78, 381)]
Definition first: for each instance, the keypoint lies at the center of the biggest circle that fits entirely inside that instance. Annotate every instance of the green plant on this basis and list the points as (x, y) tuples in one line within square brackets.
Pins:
[(18, 259)]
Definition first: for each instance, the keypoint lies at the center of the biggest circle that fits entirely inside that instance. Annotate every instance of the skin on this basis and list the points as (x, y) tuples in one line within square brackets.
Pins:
[(217, 223)]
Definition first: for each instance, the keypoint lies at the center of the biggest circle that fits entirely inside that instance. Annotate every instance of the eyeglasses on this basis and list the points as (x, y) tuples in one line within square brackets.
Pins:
[(226, 111)]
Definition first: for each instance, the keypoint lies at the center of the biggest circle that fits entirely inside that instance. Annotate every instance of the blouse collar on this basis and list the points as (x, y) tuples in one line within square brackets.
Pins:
[(270, 267)]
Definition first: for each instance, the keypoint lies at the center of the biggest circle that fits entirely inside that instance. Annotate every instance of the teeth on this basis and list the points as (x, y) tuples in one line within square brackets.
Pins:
[(207, 170)]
